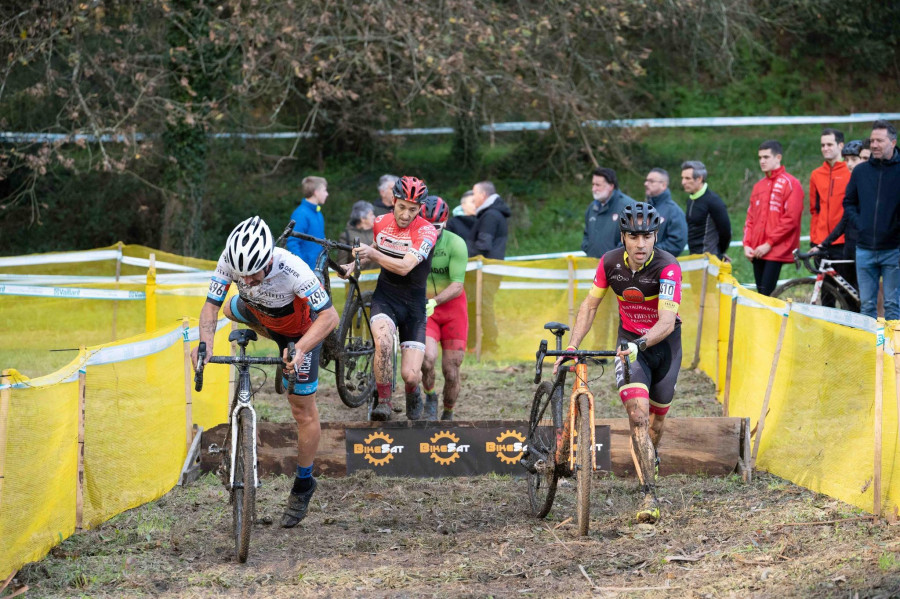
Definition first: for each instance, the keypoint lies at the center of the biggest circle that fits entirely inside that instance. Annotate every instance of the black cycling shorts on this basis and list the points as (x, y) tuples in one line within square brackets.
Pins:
[(656, 369), (406, 310), (308, 371)]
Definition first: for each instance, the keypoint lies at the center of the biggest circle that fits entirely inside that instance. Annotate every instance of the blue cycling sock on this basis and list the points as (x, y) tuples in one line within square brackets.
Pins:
[(303, 480)]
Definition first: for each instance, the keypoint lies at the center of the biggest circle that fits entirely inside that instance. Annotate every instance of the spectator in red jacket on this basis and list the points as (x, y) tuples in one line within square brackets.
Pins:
[(826, 200), (772, 231)]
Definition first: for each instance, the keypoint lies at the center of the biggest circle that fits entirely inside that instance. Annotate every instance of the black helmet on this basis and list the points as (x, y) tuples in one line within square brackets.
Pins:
[(639, 218), (852, 148)]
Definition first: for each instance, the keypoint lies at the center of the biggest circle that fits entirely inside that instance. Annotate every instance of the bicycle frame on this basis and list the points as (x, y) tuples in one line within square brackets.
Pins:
[(579, 387), (825, 269)]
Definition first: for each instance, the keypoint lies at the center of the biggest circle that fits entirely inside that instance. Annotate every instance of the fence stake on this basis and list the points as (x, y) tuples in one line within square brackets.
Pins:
[(879, 409), (730, 354), (897, 378), (79, 488), (115, 313), (5, 396), (700, 319), (188, 390), (150, 297), (479, 292), (765, 407), (571, 262)]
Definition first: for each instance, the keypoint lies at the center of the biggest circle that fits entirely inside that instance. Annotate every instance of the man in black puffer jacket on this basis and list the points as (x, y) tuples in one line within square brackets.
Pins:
[(491, 229), (489, 240), (872, 204)]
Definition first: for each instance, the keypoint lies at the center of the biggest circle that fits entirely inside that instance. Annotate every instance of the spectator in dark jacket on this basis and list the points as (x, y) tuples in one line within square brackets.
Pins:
[(463, 219), (601, 220), (489, 240), (362, 219), (385, 205), (872, 205), (673, 230), (709, 227), (491, 229)]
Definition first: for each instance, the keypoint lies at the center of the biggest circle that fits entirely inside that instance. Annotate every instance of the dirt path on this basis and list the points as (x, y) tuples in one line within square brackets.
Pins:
[(470, 537)]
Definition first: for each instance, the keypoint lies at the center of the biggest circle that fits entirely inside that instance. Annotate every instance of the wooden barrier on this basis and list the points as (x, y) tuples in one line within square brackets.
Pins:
[(712, 446)]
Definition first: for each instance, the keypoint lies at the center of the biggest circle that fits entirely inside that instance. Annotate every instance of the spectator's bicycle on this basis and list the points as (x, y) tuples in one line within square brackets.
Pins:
[(556, 436), (826, 288), (238, 451), (351, 346)]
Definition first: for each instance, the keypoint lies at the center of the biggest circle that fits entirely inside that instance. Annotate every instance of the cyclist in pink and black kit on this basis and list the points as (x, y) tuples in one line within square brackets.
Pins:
[(403, 245), (647, 285)]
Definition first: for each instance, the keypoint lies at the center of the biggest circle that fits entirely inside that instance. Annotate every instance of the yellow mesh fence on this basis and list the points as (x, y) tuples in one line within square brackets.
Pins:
[(135, 437), (819, 430)]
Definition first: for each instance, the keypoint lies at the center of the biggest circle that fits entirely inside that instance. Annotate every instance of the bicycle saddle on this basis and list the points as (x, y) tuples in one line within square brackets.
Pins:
[(243, 336), (557, 328)]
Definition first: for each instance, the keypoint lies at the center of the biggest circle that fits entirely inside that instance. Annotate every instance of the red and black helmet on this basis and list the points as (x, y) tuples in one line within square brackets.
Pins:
[(410, 189), (435, 210)]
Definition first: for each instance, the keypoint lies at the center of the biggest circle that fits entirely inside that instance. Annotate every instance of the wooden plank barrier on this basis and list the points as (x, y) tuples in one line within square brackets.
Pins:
[(712, 446)]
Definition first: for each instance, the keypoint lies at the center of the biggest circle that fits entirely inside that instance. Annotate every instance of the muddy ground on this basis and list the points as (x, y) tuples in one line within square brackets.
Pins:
[(470, 537)]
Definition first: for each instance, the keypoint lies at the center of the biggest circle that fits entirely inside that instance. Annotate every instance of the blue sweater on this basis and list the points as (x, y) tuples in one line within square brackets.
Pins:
[(308, 219)]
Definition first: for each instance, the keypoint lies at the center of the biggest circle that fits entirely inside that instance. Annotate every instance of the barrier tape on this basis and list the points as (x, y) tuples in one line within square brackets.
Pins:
[(71, 292), (117, 353), (510, 127)]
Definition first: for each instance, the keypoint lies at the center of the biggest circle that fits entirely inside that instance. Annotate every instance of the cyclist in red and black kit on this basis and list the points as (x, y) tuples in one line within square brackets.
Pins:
[(647, 285), (403, 245)]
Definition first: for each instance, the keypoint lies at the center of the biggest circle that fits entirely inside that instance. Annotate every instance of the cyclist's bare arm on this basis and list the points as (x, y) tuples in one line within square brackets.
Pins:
[(325, 322), (452, 291), (400, 266), (583, 321), (209, 315)]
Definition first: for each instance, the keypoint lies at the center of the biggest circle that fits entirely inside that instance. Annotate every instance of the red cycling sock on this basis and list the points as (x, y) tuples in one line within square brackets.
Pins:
[(410, 388), (384, 391)]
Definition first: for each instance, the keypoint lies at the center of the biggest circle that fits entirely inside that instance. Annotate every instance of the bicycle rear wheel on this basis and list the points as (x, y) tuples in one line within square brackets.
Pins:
[(355, 363), (243, 494), (542, 473), (801, 291), (584, 466)]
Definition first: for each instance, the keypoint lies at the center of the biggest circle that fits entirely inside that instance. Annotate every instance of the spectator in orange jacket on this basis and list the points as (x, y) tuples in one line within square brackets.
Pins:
[(826, 199), (772, 231)]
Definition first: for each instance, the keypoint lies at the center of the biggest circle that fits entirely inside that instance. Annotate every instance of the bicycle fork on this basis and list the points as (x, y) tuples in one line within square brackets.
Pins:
[(242, 404), (581, 388)]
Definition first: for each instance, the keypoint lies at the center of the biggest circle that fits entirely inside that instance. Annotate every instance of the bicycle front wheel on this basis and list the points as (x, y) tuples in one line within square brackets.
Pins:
[(584, 465), (243, 494), (541, 457), (355, 364)]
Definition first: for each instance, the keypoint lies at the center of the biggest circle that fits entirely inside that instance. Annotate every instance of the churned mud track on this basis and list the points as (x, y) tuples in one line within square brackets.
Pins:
[(469, 537)]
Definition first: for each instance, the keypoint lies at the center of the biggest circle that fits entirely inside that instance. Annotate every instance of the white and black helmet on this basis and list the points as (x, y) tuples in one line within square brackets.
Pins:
[(249, 247)]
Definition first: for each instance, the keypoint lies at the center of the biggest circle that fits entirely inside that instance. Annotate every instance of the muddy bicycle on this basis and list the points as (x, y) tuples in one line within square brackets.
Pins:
[(826, 288), (556, 437), (350, 346), (239, 461)]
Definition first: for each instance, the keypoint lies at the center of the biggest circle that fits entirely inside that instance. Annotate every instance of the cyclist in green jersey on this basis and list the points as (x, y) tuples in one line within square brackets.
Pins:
[(448, 319)]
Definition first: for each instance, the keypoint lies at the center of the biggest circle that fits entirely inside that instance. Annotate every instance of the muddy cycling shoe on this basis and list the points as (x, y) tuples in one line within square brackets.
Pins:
[(447, 414), (298, 505), (414, 405), (431, 401), (382, 411), (649, 512)]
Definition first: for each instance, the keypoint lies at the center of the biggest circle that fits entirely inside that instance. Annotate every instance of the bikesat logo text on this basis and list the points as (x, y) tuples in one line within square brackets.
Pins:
[(444, 448), (377, 454), (509, 447)]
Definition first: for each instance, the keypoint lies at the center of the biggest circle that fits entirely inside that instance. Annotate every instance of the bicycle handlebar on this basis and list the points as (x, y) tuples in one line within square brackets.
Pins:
[(237, 360), (578, 355), (325, 243)]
